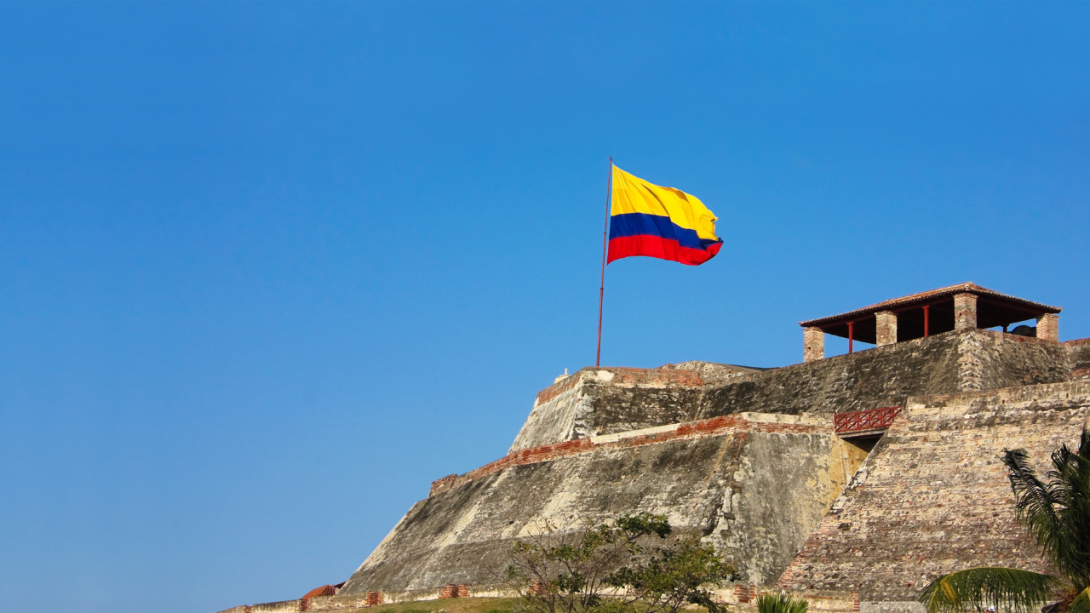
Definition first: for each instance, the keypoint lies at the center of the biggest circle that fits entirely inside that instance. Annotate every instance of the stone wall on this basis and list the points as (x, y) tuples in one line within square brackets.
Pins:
[(993, 360), (1078, 353), (933, 496), (878, 377), (598, 401), (754, 486)]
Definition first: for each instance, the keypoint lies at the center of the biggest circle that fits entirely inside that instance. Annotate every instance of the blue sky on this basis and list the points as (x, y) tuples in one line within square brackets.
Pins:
[(267, 270)]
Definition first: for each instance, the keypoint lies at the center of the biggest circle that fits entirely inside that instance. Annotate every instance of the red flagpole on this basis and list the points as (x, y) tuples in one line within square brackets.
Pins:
[(605, 243)]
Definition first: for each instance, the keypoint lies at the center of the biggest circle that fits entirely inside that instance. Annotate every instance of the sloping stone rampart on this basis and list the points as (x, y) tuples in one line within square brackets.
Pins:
[(933, 496), (649, 436), (756, 490)]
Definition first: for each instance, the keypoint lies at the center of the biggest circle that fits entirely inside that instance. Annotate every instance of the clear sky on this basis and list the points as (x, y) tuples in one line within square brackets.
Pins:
[(267, 270)]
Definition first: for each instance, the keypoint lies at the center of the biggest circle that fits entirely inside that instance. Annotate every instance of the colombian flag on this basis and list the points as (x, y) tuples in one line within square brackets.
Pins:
[(659, 222)]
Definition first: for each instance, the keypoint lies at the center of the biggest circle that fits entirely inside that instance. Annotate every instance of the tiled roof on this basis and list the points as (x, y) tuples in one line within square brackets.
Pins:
[(929, 296), (325, 590)]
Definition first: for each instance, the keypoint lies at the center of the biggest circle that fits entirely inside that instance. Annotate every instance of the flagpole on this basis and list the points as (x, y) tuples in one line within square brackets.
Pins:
[(602, 287)]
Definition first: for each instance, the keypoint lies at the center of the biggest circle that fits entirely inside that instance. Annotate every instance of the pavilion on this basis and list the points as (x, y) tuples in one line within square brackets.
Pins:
[(959, 307)]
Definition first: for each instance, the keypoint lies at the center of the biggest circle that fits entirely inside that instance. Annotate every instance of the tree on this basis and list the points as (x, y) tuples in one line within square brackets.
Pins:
[(675, 576), (610, 567), (1057, 514)]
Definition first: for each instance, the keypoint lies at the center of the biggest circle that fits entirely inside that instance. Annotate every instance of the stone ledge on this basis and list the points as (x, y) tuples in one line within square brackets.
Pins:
[(743, 422)]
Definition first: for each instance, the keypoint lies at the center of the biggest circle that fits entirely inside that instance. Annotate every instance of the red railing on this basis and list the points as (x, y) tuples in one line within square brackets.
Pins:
[(871, 419)]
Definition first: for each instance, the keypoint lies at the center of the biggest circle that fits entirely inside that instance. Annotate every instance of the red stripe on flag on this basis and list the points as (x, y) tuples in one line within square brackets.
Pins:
[(658, 247)]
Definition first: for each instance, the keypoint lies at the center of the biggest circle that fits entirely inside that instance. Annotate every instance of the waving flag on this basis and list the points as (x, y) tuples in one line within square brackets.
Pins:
[(659, 222)]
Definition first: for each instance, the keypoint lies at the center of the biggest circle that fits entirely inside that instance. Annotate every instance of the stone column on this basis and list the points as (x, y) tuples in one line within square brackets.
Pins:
[(964, 312), (813, 344), (1048, 327), (885, 328)]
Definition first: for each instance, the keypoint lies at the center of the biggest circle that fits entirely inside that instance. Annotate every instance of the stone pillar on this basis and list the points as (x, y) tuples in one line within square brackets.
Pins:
[(964, 312), (813, 344), (1048, 327), (885, 328)]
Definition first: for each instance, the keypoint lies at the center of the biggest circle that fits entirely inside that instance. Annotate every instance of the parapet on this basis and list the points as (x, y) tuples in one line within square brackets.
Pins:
[(601, 401)]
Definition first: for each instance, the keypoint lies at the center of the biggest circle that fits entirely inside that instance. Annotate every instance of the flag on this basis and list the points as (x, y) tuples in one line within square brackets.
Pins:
[(659, 222)]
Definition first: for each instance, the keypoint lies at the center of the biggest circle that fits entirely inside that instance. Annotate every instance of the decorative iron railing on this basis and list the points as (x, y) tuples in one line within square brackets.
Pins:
[(871, 419)]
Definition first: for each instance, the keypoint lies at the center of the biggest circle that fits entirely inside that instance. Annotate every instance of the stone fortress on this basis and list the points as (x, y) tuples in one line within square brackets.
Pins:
[(851, 480)]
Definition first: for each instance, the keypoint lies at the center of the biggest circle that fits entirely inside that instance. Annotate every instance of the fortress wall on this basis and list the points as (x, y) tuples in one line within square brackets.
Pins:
[(886, 376), (1078, 353), (646, 436), (597, 401), (557, 411), (991, 360), (754, 488), (933, 496), (878, 377)]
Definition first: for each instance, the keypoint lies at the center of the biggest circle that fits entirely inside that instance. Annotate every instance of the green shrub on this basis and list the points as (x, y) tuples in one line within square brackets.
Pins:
[(624, 566), (781, 603)]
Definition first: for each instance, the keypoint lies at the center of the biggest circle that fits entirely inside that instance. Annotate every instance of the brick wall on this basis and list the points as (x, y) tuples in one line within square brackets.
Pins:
[(964, 312), (813, 344), (1048, 327)]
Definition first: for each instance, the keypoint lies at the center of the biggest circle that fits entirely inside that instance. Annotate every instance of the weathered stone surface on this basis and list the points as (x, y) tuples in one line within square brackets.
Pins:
[(879, 377), (756, 490), (601, 401), (597, 401), (933, 496), (1078, 353)]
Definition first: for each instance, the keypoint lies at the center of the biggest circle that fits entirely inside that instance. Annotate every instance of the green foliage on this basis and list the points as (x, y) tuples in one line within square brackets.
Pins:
[(624, 566), (781, 603), (983, 588), (675, 576), (1080, 603), (1057, 513)]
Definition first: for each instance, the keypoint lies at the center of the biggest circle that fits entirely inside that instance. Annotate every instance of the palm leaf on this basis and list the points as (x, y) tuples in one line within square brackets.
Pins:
[(1070, 478), (977, 589), (1081, 603), (1037, 502), (1057, 513)]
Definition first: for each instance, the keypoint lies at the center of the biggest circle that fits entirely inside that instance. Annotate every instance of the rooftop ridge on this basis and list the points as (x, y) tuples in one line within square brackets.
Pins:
[(942, 292)]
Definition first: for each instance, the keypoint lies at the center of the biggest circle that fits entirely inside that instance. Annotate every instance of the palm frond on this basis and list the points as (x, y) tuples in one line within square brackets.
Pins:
[(1057, 513), (977, 589), (1081, 603), (1037, 502)]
